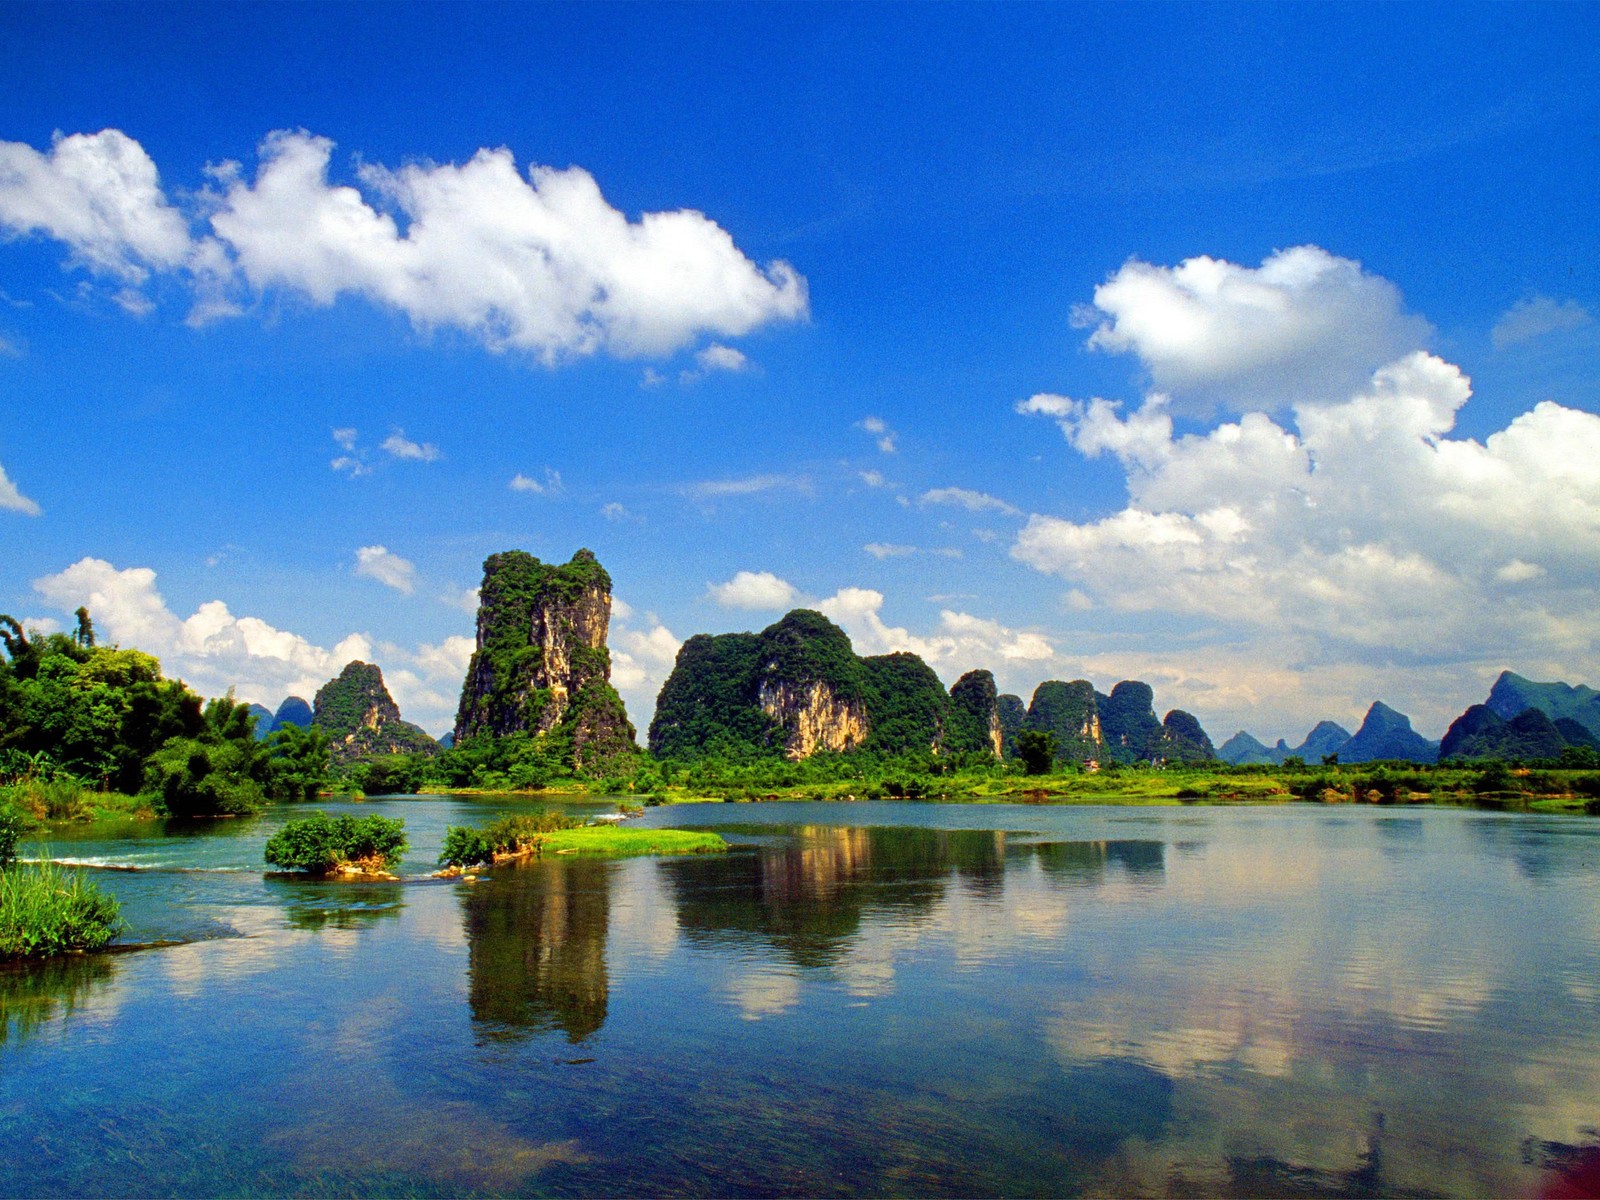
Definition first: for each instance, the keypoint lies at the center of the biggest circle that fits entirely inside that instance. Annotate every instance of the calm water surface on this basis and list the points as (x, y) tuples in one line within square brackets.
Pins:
[(861, 999)]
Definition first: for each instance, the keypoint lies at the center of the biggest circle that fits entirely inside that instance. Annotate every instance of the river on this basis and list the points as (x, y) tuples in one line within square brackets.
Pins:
[(859, 999)]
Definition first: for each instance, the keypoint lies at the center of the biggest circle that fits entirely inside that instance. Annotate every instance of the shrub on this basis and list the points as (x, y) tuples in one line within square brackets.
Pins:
[(321, 845), (45, 910), (191, 778), (465, 847), (13, 824), (1495, 777), (511, 833)]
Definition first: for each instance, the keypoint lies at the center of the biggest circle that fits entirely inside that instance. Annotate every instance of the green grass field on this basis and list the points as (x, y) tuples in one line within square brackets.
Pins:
[(612, 842)]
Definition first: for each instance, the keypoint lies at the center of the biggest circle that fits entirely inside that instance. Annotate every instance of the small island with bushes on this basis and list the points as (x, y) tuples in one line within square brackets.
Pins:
[(513, 837), (324, 846)]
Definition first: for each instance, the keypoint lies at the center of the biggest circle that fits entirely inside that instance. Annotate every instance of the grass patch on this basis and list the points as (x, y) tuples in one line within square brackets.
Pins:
[(619, 843), (62, 798), (46, 910)]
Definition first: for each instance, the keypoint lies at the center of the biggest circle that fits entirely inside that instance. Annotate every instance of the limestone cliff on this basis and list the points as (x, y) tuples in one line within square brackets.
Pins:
[(795, 688), (1013, 714), (361, 719), (975, 715), (541, 665), (1128, 722), (1183, 740), (1071, 713), (1386, 734), (812, 717), (810, 685)]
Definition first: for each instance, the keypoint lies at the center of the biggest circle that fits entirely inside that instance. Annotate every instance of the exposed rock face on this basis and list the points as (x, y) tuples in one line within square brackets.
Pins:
[(362, 719), (708, 704), (1070, 712), (975, 715), (541, 665), (810, 685), (812, 717), (1387, 734), (1183, 740)]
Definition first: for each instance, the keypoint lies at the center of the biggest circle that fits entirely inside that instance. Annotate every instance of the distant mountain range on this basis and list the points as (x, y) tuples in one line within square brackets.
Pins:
[(542, 666), (293, 711), (1521, 719), (1384, 734)]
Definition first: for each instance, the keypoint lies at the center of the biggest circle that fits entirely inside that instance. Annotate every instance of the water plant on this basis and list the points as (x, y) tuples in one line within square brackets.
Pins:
[(45, 910)]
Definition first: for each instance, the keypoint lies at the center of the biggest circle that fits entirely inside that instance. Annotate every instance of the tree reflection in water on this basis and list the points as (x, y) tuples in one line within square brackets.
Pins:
[(536, 938), (32, 994)]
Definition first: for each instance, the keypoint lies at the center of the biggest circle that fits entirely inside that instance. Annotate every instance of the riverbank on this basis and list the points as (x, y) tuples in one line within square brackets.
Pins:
[(1492, 786)]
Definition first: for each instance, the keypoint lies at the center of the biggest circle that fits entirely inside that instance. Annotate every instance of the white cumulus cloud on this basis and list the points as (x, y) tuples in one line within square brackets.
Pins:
[(1363, 526), (757, 590), (213, 650), (1305, 325), (100, 194), (717, 357), (540, 263), (960, 643), (388, 568), (641, 660), (13, 500)]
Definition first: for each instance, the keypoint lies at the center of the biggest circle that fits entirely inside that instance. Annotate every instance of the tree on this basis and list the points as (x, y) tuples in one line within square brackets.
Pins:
[(1037, 749), (294, 763), (195, 778), (85, 634)]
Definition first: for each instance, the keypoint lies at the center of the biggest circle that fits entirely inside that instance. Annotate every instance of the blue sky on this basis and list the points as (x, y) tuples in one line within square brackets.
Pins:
[(1070, 341)]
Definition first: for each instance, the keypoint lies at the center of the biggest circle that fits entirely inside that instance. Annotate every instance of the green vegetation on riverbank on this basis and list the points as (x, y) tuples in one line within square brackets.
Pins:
[(47, 910), (615, 842), (978, 779), (83, 726)]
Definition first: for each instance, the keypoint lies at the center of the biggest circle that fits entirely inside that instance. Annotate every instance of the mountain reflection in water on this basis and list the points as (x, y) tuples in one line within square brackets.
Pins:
[(857, 999), (808, 898)]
